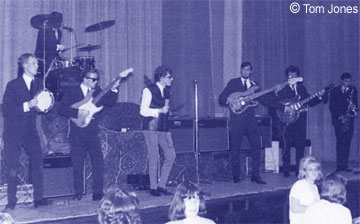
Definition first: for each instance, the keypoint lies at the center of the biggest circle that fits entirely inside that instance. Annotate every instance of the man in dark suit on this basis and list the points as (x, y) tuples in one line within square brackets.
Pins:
[(294, 133), (20, 129), (86, 139), (51, 38), (343, 103), (243, 124)]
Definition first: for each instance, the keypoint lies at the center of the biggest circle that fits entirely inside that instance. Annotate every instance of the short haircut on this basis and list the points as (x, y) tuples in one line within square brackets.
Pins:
[(292, 69), (161, 71), (58, 17), (304, 163), (88, 71), (185, 190), (333, 188), (119, 206), (22, 60), (245, 64), (345, 75)]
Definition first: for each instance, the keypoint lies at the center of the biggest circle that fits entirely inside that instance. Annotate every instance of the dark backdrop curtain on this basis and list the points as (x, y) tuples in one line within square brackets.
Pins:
[(322, 45)]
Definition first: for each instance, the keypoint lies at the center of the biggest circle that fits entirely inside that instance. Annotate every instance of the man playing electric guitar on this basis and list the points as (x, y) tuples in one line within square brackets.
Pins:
[(243, 124), (85, 139), (295, 132)]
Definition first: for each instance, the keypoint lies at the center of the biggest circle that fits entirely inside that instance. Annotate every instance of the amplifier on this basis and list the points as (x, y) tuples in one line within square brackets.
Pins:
[(264, 126), (58, 176), (213, 134)]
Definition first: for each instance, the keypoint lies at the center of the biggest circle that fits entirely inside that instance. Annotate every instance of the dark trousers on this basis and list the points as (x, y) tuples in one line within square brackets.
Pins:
[(343, 142), (238, 130), (12, 149), (295, 136), (78, 153)]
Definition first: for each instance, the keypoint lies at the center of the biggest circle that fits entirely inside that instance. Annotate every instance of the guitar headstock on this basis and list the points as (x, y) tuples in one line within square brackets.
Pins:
[(293, 81), (125, 73)]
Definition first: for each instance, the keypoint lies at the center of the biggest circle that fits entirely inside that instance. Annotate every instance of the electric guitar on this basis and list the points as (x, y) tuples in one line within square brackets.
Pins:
[(239, 101), (289, 117), (89, 103)]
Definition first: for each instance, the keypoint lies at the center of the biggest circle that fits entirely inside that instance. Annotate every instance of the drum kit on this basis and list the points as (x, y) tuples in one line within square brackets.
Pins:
[(61, 64)]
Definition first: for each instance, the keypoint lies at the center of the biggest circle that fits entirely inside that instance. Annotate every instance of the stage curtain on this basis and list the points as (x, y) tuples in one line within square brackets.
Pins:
[(134, 40), (322, 45)]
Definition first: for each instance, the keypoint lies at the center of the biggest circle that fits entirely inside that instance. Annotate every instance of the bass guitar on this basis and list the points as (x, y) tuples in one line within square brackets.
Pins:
[(291, 116), (89, 103), (239, 101)]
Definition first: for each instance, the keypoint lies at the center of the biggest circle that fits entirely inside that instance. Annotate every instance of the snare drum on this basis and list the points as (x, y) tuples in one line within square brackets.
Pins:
[(61, 63), (85, 62)]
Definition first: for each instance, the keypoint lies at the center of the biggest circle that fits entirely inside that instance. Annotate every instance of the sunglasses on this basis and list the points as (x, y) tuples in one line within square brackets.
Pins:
[(93, 79)]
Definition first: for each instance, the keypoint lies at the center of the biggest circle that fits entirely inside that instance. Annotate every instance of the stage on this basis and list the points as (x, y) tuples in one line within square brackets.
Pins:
[(245, 202)]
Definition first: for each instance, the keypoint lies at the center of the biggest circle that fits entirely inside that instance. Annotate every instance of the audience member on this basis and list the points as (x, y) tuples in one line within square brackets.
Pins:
[(5, 218), (186, 206), (330, 209), (119, 207), (304, 192)]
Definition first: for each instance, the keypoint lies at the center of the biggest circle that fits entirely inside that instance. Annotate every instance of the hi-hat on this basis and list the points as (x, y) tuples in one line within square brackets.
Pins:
[(100, 26), (42, 21), (89, 47)]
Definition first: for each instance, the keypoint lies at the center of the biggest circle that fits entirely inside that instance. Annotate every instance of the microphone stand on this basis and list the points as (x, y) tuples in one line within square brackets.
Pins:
[(196, 131)]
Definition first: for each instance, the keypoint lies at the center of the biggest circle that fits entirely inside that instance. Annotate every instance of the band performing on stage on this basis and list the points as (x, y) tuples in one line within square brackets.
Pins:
[(39, 89)]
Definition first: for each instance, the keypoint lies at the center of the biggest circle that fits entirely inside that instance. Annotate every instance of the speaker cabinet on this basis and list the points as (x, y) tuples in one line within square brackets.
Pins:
[(264, 126), (213, 134), (58, 176)]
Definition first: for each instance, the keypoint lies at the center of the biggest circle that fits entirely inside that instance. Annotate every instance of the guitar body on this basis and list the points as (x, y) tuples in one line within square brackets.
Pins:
[(240, 101), (88, 105), (288, 117)]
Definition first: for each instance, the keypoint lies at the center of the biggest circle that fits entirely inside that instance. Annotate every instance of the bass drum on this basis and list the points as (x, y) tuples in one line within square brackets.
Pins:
[(85, 62)]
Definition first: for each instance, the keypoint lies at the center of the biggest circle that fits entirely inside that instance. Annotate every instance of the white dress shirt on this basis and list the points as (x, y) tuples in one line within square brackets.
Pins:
[(146, 98)]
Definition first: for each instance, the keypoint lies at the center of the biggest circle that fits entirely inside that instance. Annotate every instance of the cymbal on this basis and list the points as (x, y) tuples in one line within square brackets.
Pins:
[(68, 48), (100, 26), (89, 47), (46, 21)]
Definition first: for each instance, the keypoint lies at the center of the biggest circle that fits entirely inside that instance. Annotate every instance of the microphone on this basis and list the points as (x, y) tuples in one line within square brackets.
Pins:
[(68, 28), (194, 81)]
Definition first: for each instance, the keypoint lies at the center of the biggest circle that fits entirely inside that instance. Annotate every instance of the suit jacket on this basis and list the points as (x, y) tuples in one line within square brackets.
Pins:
[(338, 103), (50, 44), (74, 95), (18, 123)]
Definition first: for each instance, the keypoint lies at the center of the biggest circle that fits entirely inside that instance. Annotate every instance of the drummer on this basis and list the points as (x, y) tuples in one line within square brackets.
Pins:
[(51, 37), (20, 129)]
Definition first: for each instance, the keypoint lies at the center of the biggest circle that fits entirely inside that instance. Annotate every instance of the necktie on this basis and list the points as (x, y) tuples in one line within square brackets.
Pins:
[(32, 88), (293, 89), (245, 84)]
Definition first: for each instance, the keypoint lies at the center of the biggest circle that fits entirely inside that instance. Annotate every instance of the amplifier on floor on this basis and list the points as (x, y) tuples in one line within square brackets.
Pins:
[(58, 176)]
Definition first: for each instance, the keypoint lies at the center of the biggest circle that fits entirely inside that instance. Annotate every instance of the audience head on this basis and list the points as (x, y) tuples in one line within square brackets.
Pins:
[(119, 207), (333, 189), (5, 218), (310, 169), (188, 202)]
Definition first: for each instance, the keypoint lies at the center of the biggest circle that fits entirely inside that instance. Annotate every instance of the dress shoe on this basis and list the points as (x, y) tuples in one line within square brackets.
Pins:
[(236, 179), (97, 196), (163, 191), (155, 192), (38, 203), (77, 197), (286, 174), (257, 180), (9, 207)]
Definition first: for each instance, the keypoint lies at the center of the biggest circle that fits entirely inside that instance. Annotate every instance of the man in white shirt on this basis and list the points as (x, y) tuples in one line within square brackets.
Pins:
[(154, 109), (20, 129)]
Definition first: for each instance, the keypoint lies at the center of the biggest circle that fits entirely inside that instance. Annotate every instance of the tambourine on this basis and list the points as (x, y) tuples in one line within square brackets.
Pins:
[(45, 100)]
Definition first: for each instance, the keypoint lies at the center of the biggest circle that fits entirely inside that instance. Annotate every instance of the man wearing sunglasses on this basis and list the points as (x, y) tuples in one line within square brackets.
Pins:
[(85, 139)]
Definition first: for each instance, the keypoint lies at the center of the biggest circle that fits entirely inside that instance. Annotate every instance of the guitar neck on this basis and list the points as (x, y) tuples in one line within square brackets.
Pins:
[(302, 102), (266, 91), (104, 91)]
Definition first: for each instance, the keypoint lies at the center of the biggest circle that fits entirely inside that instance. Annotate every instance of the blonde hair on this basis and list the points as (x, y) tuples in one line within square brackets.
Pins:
[(5, 218), (304, 164)]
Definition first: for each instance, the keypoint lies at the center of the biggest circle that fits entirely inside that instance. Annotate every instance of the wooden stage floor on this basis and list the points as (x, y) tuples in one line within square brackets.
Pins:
[(154, 209)]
